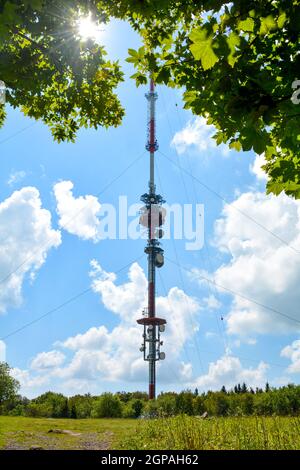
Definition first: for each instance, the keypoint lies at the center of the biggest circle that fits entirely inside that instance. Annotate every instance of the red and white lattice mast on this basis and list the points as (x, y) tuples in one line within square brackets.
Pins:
[(152, 217)]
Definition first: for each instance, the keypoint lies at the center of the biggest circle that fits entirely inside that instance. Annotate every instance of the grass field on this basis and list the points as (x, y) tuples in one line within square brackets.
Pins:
[(173, 433), (90, 434), (186, 433)]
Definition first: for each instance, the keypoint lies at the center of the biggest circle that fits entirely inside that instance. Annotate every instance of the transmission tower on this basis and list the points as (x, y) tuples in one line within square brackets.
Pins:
[(152, 217)]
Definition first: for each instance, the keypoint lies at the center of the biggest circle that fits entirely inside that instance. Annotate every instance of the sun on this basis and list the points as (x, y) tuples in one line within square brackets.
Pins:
[(89, 29)]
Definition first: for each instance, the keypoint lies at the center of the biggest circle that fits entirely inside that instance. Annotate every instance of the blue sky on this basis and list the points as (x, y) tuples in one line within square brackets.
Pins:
[(251, 343)]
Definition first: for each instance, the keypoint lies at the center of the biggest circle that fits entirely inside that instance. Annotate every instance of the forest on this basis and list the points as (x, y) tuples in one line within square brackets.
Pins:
[(241, 400)]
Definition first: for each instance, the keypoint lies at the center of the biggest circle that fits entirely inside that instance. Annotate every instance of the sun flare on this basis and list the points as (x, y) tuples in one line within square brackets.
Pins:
[(89, 29)]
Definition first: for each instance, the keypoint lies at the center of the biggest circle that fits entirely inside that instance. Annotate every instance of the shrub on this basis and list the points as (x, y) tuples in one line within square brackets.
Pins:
[(35, 410), (107, 406), (166, 404)]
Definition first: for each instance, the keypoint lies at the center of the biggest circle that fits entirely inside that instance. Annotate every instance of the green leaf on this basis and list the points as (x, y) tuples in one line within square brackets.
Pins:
[(233, 40), (236, 145), (267, 24), (269, 152), (292, 186), (140, 52), (190, 97), (139, 78), (167, 42), (202, 48), (163, 75), (133, 52), (9, 15), (275, 187), (134, 56), (246, 25), (259, 145), (281, 20)]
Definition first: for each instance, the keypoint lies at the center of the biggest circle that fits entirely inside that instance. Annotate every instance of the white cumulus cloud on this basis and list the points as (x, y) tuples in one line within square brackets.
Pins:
[(79, 216), (47, 360), (211, 302), (126, 299), (100, 354), (93, 339), (292, 352), (2, 351), (16, 177), (261, 267), (27, 381), (229, 371), (26, 237), (256, 167), (198, 134)]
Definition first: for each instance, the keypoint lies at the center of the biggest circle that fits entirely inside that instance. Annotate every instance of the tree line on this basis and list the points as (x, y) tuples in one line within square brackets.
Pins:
[(241, 400)]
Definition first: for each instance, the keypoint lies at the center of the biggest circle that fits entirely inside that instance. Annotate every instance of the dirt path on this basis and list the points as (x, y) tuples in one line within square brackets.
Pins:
[(58, 440), (90, 443)]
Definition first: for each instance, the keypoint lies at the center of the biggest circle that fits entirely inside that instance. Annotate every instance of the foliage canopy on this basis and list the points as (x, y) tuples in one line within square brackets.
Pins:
[(237, 63), (50, 73), (8, 385)]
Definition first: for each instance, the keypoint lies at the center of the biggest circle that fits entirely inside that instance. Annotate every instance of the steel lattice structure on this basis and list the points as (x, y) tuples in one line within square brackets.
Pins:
[(152, 218)]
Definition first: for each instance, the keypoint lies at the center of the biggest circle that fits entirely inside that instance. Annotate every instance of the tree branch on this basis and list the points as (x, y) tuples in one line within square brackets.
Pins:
[(41, 48)]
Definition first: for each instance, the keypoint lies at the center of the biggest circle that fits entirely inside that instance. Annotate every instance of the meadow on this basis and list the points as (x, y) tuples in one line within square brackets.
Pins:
[(181, 432), (238, 433)]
